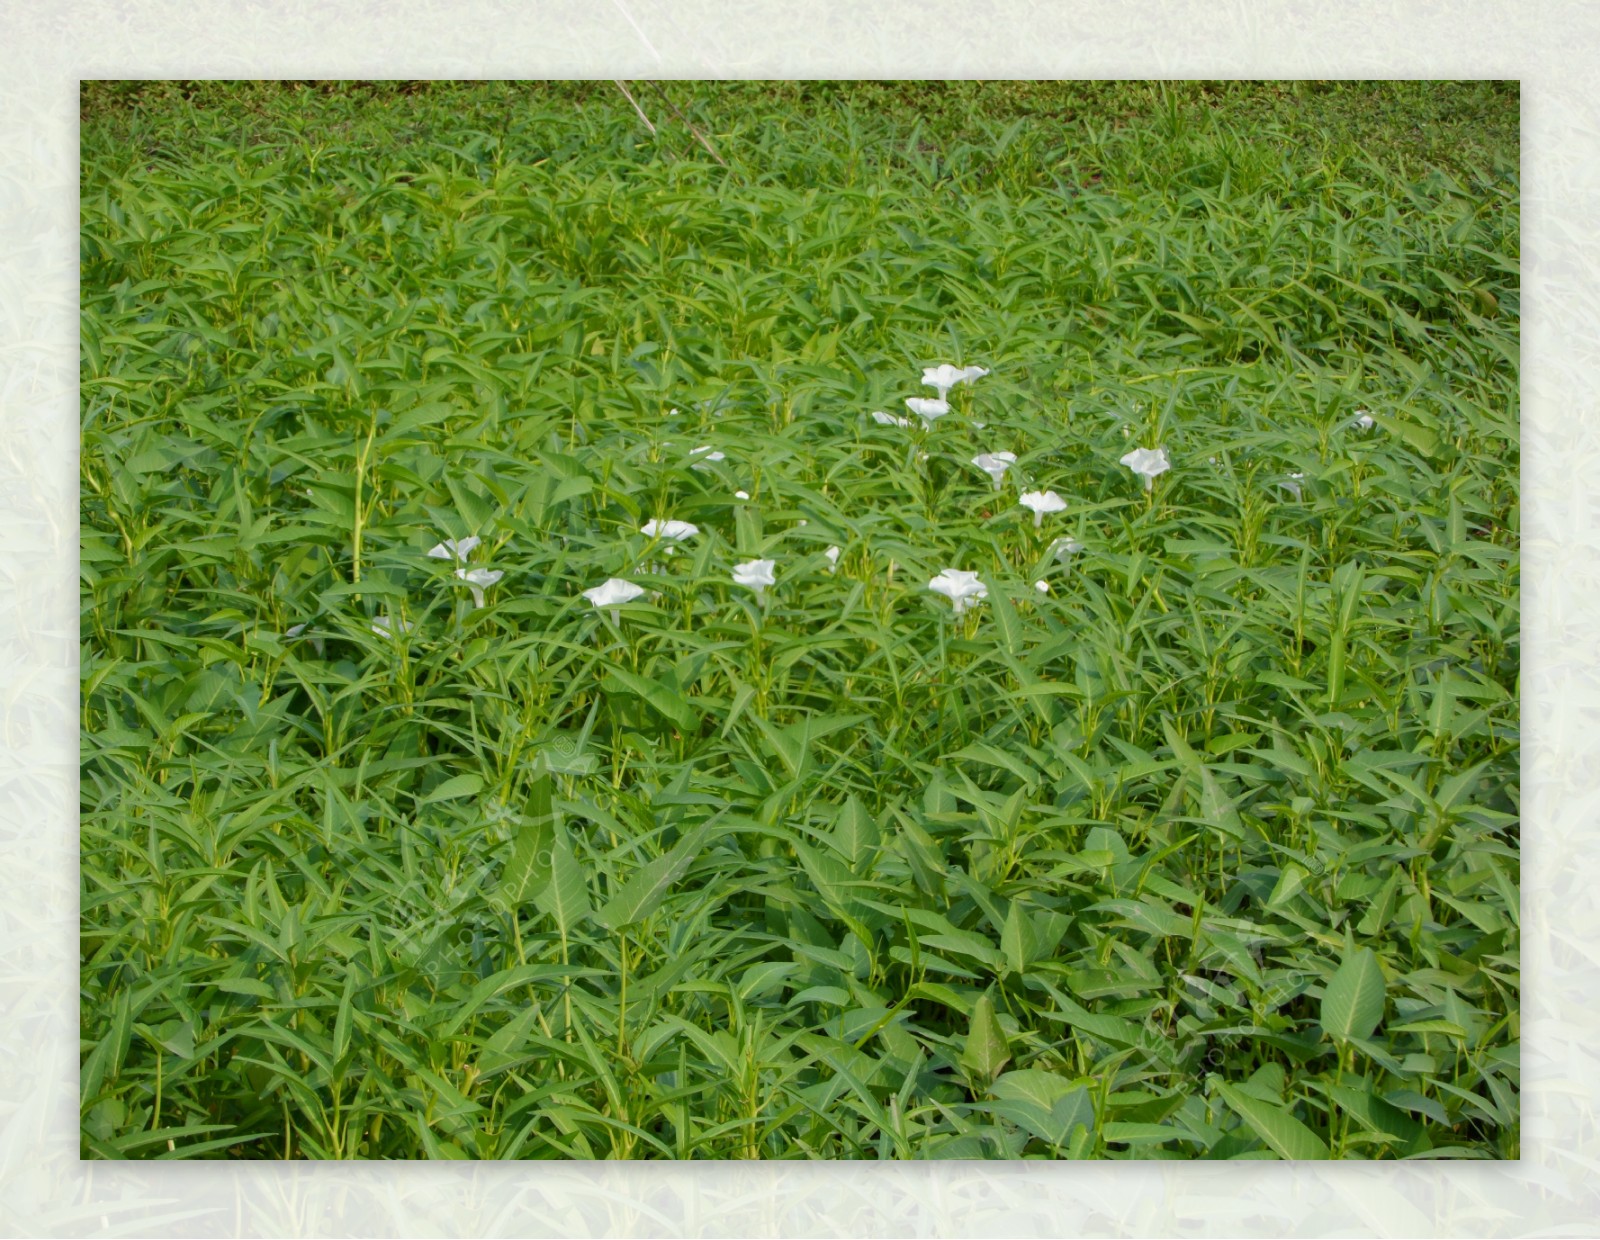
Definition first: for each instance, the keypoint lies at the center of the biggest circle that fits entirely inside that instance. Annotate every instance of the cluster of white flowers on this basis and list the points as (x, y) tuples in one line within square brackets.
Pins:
[(962, 588)]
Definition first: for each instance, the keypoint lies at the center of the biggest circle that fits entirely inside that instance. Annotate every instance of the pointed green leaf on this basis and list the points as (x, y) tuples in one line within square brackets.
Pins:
[(643, 893), (856, 833), (566, 897), (665, 699), (455, 788), (528, 868), (1006, 618), (1352, 1004), (1017, 939), (985, 1050), (1284, 1135)]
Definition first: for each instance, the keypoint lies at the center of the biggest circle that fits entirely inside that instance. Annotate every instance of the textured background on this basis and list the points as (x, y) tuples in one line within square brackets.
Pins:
[(45, 1191)]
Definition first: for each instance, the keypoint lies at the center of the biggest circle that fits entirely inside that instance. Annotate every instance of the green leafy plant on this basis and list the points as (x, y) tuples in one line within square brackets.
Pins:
[(1208, 849)]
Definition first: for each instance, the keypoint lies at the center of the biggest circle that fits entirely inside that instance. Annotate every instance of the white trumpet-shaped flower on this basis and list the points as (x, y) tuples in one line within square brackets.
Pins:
[(945, 376), (1292, 483), (995, 464), (675, 530), (1363, 420), (706, 454), (755, 574), (1041, 502), (1147, 463), (888, 419), (741, 495), (612, 595), (1042, 586), (927, 409), (1062, 548), (454, 549), (833, 558), (480, 579), (385, 626), (963, 589)]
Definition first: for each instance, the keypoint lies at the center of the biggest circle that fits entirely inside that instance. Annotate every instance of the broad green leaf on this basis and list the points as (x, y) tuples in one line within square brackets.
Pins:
[(528, 868), (1017, 939), (565, 898), (1286, 1136), (1352, 1003), (1376, 1115), (642, 894), (665, 699), (1006, 619), (454, 788), (855, 834), (985, 1050)]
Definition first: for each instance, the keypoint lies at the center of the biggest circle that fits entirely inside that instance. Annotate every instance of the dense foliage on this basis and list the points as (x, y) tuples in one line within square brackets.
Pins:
[(1207, 850)]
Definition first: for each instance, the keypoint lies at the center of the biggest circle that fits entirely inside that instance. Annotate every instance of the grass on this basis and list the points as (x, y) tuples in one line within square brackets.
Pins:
[(1210, 851)]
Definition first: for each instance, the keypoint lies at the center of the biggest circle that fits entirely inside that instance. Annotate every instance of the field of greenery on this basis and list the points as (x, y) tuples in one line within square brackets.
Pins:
[(1184, 827)]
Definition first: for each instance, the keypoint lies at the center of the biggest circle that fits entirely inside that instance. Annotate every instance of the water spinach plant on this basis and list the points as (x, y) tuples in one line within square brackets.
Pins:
[(970, 637)]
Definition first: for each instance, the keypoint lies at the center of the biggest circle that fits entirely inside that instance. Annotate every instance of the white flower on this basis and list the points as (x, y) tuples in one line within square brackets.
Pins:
[(927, 409), (1064, 547), (612, 595), (1147, 463), (833, 558), (995, 464), (1041, 502), (963, 589), (1292, 483), (672, 413), (675, 530), (888, 419), (945, 376), (922, 458), (479, 579), (1363, 420), (706, 453), (741, 495), (1042, 586), (381, 625), (756, 574), (453, 549)]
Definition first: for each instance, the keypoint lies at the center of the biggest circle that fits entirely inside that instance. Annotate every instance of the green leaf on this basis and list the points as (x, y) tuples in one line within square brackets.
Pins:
[(1284, 1135), (565, 899), (985, 1050), (1048, 1106), (668, 701), (1419, 437), (856, 835), (454, 788), (643, 893), (528, 869), (507, 1044), (1376, 1115), (1018, 941), (1006, 618), (1352, 1004)]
